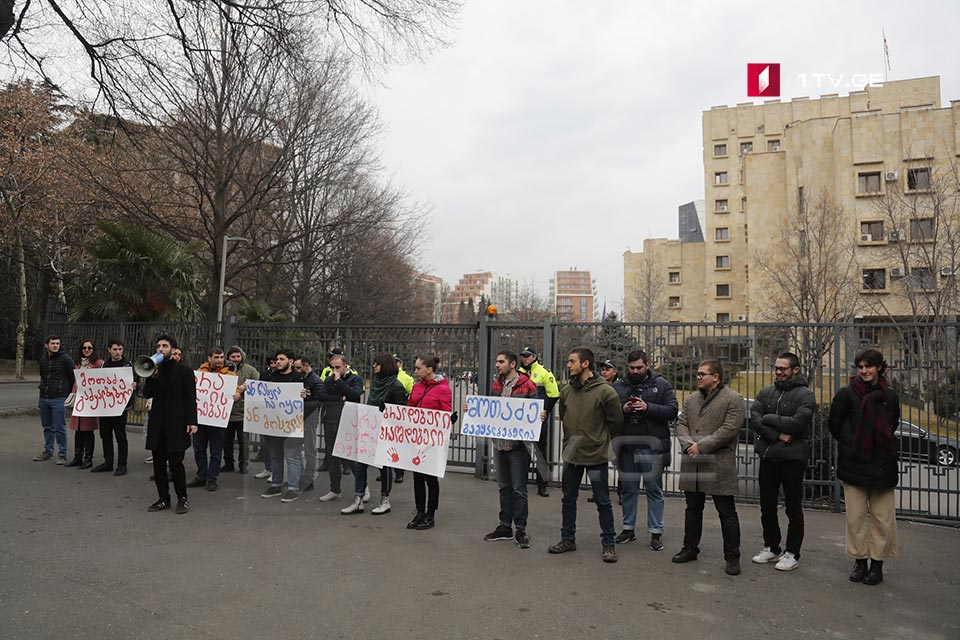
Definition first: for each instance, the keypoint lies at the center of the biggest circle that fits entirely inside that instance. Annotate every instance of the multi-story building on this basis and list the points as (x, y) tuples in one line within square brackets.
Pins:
[(573, 294), (428, 298), (880, 160), (500, 290)]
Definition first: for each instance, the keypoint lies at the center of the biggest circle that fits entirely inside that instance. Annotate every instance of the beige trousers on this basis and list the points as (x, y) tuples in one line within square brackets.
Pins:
[(871, 522)]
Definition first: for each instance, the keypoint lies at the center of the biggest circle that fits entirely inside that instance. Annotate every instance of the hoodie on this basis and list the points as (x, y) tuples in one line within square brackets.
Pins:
[(244, 372), (591, 416)]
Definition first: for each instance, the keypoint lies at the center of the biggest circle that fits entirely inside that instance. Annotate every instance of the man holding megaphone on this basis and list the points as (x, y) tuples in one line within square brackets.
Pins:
[(173, 419)]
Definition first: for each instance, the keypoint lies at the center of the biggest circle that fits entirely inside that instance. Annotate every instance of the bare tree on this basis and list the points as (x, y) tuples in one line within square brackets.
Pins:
[(531, 306), (148, 34), (813, 277), (644, 290)]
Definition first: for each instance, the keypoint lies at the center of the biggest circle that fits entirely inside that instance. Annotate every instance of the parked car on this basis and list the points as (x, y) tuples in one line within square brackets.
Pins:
[(917, 444)]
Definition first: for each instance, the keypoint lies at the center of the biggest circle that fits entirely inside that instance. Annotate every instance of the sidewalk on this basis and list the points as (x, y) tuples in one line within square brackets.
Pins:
[(81, 558)]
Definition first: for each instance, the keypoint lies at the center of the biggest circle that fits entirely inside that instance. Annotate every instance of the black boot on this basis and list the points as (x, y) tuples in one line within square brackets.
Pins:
[(427, 522), (77, 451), (875, 575), (417, 519), (859, 571), (76, 462)]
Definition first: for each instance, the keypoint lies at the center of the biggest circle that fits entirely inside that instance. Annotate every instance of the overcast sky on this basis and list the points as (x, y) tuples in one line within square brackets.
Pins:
[(556, 134)]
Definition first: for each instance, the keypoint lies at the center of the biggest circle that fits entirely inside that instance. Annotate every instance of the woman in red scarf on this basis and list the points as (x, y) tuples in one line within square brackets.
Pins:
[(863, 418)]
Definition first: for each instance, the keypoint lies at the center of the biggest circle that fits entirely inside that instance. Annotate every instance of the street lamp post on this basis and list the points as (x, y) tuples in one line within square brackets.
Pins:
[(223, 273)]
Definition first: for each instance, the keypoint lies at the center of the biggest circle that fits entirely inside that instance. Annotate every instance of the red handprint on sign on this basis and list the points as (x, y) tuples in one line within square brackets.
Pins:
[(420, 458), (394, 457)]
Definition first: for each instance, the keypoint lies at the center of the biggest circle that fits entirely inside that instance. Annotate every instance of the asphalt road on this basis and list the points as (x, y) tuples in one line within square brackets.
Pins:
[(81, 558), (19, 394)]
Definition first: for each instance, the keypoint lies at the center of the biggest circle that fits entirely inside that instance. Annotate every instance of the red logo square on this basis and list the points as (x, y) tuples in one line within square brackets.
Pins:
[(763, 79)]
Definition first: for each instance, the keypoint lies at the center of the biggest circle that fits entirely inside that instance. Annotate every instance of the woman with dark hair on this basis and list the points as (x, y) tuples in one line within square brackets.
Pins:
[(84, 438), (385, 388), (432, 391), (863, 418)]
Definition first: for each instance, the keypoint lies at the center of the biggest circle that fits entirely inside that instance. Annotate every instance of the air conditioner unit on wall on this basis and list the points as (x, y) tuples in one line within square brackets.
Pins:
[(722, 208), (866, 237), (947, 271), (892, 176), (898, 272), (741, 318), (897, 235)]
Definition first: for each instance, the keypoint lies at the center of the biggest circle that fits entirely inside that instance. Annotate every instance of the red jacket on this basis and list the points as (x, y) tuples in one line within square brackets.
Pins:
[(524, 388), (432, 394)]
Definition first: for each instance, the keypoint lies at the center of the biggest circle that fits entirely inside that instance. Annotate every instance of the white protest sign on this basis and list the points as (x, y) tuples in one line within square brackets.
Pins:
[(502, 417), (103, 393), (358, 434), (273, 409), (215, 393), (414, 438)]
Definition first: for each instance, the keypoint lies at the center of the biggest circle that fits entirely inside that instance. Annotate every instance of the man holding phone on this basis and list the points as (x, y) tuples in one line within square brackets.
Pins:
[(643, 451)]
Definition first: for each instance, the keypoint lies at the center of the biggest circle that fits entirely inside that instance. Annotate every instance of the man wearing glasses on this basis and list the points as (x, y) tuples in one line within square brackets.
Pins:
[(707, 430), (780, 418)]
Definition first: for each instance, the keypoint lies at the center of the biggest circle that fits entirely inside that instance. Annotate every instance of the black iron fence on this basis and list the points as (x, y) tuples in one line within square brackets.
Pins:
[(923, 362)]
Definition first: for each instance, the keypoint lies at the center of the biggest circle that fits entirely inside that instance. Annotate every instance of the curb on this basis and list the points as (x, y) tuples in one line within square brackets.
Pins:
[(12, 412)]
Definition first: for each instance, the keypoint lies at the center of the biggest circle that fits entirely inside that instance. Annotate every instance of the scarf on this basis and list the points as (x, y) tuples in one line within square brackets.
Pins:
[(873, 427), (379, 387)]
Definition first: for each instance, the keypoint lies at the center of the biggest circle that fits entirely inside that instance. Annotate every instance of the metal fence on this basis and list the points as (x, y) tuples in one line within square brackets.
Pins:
[(923, 368)]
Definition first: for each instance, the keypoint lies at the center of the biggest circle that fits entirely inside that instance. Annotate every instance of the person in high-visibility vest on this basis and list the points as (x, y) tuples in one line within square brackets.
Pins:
[(549, 393)]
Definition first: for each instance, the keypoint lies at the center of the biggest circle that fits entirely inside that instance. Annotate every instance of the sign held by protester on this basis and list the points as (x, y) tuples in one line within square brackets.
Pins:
[(215, 393), (103, 393), (414, 438), (359, 434), (273, 409), (502, 417)]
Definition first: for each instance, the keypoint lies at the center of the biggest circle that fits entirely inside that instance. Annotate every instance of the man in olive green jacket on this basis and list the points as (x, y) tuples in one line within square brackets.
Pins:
[(707, 429), (591, 415)]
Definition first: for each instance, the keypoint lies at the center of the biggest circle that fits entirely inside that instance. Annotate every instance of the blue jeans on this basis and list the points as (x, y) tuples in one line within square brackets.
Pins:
[(512, 468), (360, 480), (212, 436), (53, 417), (636, 464), (285, 450), (570, 483)]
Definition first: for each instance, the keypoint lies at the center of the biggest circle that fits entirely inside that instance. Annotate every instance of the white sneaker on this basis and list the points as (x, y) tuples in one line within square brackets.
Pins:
[(263, 474), (330, 496), (366, 494), (148, 460), (788, 562), (766, 556), (355, 507), (383, 508)]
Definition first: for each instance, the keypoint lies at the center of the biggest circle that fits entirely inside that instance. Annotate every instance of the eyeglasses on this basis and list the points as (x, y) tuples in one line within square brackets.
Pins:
[(701, 374), (778, 369), (87, 348)]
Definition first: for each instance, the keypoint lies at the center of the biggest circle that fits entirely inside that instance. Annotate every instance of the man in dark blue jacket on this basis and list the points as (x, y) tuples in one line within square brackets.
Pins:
[(56, 382), (643, 451), (780, 417), (342, 385)]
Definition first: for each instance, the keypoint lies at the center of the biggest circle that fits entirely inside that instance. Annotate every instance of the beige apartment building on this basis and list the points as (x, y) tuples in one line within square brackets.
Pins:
[(882, 160), (573, 296)]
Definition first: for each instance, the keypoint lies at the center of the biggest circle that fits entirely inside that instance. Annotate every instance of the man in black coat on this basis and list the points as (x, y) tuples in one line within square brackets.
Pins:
[(173, 419), (780, 418), (649, 404), (56, 381)]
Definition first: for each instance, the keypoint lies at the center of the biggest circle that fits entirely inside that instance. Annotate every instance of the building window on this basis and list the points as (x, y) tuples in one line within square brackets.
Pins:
[(871, 231), (720, 149), (743, 203), (723, 262), (674, 302), (721, 206), (773, 145), (723, 291), (801, 200), (918, 179), (868, 182), (874, 279), (921, 279), (721, 177), (674, 277), (722, 233), (921, 229), (745, 148), (723, 317)]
